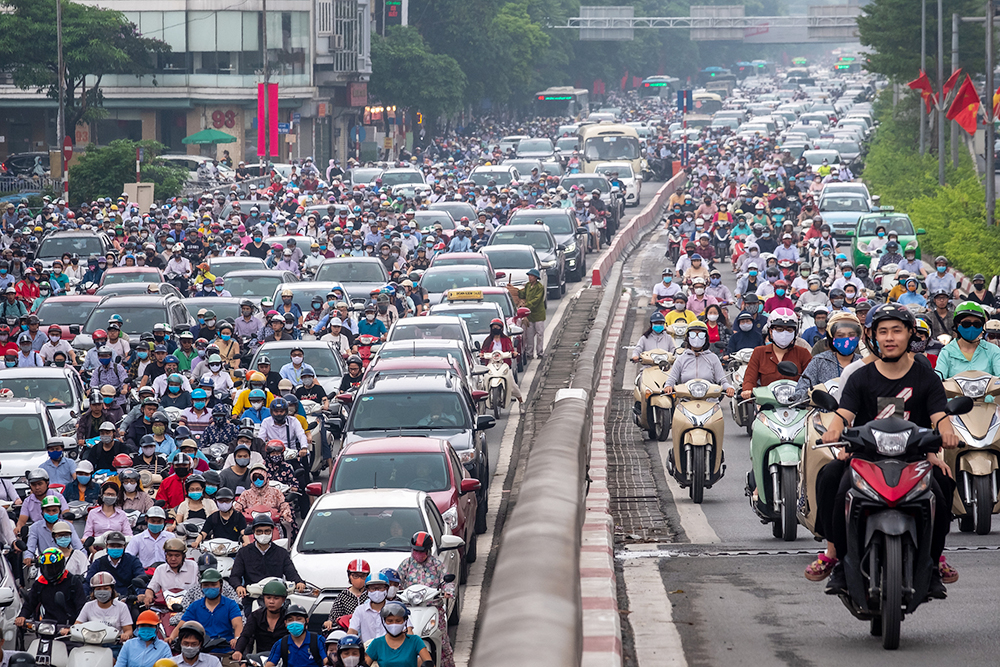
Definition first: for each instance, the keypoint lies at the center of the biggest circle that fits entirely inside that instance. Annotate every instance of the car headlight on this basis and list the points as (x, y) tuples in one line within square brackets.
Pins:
[(450, 517), (467, 456), (551, 264), (69, 428), (891, 444), (571, 247)]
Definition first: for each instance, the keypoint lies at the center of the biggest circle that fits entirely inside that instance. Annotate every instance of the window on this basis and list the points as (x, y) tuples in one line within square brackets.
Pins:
[(436, 522), (418, 471)]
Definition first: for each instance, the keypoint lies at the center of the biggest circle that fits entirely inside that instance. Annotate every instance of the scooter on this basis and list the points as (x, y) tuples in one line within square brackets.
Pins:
[(890, 509), (814, 459), (976, 463), (743, 411), (224, 551), (96, 639), (47, 648), (366, 343), (498, 393), (652, 409), (420, 600), (775, 451), (674, 240), (696, 460)]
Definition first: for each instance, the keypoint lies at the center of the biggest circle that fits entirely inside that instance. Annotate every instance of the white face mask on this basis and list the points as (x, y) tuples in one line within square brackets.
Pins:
[(264, 538), (783, 339), (699, 290), (377, 596), (713, 317), (55, 339), (395, 629), (746, 326), (696, 339), (350, 660)]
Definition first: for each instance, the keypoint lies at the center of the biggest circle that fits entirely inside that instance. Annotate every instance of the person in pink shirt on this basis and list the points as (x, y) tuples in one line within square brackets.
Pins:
[(780, 298), (109, 515), (699, 301)]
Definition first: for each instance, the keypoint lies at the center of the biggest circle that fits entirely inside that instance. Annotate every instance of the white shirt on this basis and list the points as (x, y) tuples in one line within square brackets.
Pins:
[(160, 385), (117, 615), (367, 622), (165, 579), (48, 349), (148, 549)]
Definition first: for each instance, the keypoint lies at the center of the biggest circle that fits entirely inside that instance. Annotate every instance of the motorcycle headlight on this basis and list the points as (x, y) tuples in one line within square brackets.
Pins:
[(698, 389), (450, 517), (94, 636), (783, 393), (46, 629), (891, 444), (974, 387)]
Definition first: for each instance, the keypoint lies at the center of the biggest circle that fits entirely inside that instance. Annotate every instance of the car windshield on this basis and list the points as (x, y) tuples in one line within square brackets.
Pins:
[(511, 259), (223, 309), (817, 157), (898, 223), (844, 147), (51, 391), (259, 286), (565, 144), (476, 321), (452, 260), (421, 351), (135, 319), (611, 148), (364, 175), (352, 272), (420, 472), (401, 177), (534, 146), (118, 277), (391, 411), (430, 218), (500, 177), (502, 300), (65, 312), (537, 240), (360, 529), (835, 204), (21, 433), (439, 281), (558, 223), (57, 246), (423, 331), (222, 268), (321, 358), (623, 170), (588, 183)]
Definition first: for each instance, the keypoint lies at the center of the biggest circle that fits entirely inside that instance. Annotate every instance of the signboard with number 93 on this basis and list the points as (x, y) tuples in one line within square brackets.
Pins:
[(222, 118)]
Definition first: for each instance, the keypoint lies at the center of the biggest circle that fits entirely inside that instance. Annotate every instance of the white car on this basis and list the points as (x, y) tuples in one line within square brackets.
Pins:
[(515, 261), (375, 525), (631, 180)]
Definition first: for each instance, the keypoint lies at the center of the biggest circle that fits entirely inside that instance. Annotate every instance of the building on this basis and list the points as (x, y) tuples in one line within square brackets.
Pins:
[(318, 53)]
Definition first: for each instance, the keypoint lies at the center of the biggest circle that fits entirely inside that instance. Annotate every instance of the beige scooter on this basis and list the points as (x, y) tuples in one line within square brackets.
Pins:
[(652, 408), (696, 460), (813, 459)]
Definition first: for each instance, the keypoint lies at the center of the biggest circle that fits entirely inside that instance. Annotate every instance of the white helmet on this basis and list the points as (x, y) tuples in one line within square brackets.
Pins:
[(783, 317)]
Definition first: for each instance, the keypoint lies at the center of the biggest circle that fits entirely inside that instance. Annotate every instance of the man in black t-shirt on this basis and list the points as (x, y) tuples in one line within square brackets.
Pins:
[(310, 390), (226, 522), (895, 380)]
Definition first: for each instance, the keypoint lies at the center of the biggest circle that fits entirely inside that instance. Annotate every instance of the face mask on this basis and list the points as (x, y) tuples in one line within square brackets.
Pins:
[(753, 274), (881, 234), (696, 339), (211, 593), (116, 552), (783, 338), (848, 274), (716, 282), (141, 355), (56, 455), (846, 346), (130, 487), (258, 482), (243, 462), (263, 539), (195, 495), (148, 451), (54, 339), (680, 307), (107, 437), (350, 660), (699, 290), (667, 280), (978, 286), (51, 518), (199, 405), (190, 652), (826, 253), (969, 333), (225, 507), (918, 346), (159, 429), (83, 479), (377, 596), (215, 368), (109, 500), (658, 328), (64, 541), (210, 323), (395, 629), (296, 629), (746, 325), (146, 633), (297, 360), (780, 291)]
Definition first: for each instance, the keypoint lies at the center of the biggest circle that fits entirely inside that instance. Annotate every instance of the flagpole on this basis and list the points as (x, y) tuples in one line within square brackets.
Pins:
[(940, 78), (954, 68), (991, 195), (923, 68)]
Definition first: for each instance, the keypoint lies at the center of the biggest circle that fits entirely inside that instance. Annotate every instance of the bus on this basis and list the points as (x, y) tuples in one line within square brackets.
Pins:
[(663, 87), (711, 73), (563, 101), (849, 65), (800, 62), (764, 68), (607, 141), (706, 103)]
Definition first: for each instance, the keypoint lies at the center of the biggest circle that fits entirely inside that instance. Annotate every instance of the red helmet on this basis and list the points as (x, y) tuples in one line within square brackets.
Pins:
[(122, 461), (496, 320), (359, 565), (100, 333), (780, 283), (421, 541), (274, 447)]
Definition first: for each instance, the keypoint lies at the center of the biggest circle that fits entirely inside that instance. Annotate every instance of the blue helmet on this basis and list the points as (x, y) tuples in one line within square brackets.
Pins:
[(279, 404), (199, 394), (257, 393), (391, 574), (350, 641), (375, 577)]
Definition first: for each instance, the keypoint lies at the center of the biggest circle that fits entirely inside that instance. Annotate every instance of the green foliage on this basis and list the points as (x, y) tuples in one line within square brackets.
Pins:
[(95, 42), (518, 43), (102, 172), (406, 73), (954, 216)]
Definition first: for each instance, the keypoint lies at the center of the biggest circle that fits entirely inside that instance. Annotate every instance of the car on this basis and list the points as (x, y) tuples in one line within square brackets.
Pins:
[(462, 259), (815, 157), (428, 327), (373, 524), (321, 355), (456, 209), (404, 176), (301, 242), (67, 311), (523, 166), (893, 222), (551, 254), (81, 243), (476, 316), (563, 226), (852, 187), (192, 162), (122, 289), (849, 149), (567, 145), (60, 389), (590, 182), (410, 190), (631, 181), (303, 292), (454, 351), (224, 307), (514, 261), (422, 404), (23, 164), (255, 284), (222, 266), (511, 142), (26, 427), (363, 175), (536, 149), (795, 148), (842, 210), (138, 313), (358, 275), (502, 175), (131, 274), (553, 168), (422, 464), (512, 314), (426, 220), (437, 280)]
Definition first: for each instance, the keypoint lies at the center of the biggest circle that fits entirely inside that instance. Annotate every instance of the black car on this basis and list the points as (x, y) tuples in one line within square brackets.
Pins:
[(23, 164), (563, 226), (551, 253)]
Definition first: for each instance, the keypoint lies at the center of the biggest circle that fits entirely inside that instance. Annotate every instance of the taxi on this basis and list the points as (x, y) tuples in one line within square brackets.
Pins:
[(886, 217), (512, 314)]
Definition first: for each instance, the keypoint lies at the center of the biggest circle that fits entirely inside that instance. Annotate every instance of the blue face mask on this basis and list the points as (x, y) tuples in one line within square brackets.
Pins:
[(881, 234), (846, 346), (296, 629), (848, 274), (195, 495), (145, 633), (142, 355), (753, 274), (212, 593), (155, 528), (64, 542), (667, 280), (108, 400), (117, 552), (105, 361), (199, 405), (942, 269), (658, 328), (826, 253), (716, 282), (780, 291), (83, 479), (258, 483), (51, 518), (225, 337), (210, 490), (10, 364), (969, 333), (55, 455)]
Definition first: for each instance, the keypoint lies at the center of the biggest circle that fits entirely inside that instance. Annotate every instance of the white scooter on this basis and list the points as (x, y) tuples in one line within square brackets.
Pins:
[(224, 551), (497, 381), (420, 600), (97, 639)]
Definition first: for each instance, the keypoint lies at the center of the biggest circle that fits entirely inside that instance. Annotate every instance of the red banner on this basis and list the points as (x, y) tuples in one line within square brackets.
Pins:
[(272, 117), (261, 115)]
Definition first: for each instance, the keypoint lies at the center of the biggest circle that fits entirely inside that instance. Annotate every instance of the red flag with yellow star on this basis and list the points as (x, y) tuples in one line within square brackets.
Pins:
[(923, 84), (965, 107)]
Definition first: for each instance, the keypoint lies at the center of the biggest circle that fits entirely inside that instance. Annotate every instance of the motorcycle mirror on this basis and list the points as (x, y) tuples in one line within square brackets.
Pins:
[(21, 545), (824, 400), (138, 584), (448, 578), (959, 405), (788, 368), (89, 542)]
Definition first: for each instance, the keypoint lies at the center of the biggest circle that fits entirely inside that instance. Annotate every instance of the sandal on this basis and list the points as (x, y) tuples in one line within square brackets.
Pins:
[(820, 568), (949, 575)]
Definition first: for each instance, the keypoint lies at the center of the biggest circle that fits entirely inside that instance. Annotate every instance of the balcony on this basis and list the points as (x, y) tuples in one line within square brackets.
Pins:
[(343, 44)]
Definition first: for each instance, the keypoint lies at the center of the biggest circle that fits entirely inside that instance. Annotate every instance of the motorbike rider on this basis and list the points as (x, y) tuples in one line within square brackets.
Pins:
[(262, 559), (105, 607), (665, 289), (83, 487), (265, 626), (355, 594), (219, 614), (344, 650), (968, 351), (53, 579), (148, 545), (762, 369), (680, 311), (655, 337), (145, 647), (979, 293), (225, 523), (911, 296), (365, 620), (943, 279), (819, 328), (192, 638), (42, 535), (195, 505), (843, 334), (31, 508), (941, 315), (171, 489), (354, 375), (696, 361), (423, 567), (176, 573), (895, 373), (282, 426)]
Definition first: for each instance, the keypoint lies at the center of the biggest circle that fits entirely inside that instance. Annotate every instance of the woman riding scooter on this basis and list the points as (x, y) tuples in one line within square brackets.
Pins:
[(655, 337), (696, 362), (497, 341)]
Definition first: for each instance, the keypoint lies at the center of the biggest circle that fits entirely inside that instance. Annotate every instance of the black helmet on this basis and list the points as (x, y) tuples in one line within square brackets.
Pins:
[(263, 519), (656, 317), (355, 359), (160, 417), (194, 478), (207, 561), (421, 541), (212, 478), (892, 311)]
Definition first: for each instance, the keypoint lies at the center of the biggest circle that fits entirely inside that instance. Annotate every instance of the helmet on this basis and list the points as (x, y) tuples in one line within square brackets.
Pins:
[(148, 617), (275, 587), (37, 475), (52, 563), (656, 317), (160, 417), (840, 320), (969, 308), (221, 409), (195, 628), (350, 641), (784, 317), (892, 311), (393, 575), (359, 565), (274, 446), (296, 610), (263, 520), (194, 478), (256, 393), (421, 541), (394, 609), (941, 259), (102, 579), (697, 325), (279, 404), (925, 328), (210, 576), (355, 359), (183, 461), (121, 461), (175, 544)]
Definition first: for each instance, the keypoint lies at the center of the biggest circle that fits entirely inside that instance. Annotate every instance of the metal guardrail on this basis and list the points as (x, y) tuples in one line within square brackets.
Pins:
[(196, 187), (12, 184)]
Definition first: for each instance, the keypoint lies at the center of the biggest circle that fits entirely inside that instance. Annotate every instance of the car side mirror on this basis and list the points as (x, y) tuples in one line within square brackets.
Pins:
[(484, 422), (469, 485), (516, 330), (314, 489), (921, 231), (476, 345), (74, 329), (582, 230), (788, 369), (336, 426), (561, 247), (501, 274)]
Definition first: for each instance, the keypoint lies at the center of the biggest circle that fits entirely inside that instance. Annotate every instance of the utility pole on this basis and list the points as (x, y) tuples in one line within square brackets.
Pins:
[(940, 78), (61, 82), (923, 68), (267, 73), (955, 22), (991, 195)]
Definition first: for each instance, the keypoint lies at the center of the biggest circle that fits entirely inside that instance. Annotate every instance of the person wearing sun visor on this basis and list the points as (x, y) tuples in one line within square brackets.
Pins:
[(968, 351)]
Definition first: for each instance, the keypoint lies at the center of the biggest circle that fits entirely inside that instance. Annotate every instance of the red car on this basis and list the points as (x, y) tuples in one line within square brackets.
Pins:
[(422, 464), (67, 311)]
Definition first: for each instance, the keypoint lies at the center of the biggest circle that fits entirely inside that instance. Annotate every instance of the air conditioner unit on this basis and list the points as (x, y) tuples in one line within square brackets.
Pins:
[(336, 42)]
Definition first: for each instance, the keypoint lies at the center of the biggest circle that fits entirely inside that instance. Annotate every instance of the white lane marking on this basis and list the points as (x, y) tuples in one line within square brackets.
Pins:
[(657, 641)]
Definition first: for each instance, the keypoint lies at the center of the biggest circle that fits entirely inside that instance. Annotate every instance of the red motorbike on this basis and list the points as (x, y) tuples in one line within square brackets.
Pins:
[(365, 344)]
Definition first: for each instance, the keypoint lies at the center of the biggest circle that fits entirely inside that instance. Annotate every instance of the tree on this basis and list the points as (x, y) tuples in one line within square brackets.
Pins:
[(515, 44), (406, 73), (95, 42), (101, 172)]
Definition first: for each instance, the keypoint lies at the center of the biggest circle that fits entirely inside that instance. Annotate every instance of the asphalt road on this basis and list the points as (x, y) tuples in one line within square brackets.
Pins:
[(727, 593)]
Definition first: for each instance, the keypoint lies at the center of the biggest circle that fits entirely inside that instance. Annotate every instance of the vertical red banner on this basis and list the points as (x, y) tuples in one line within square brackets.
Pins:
[(272, 117), (261, 115)]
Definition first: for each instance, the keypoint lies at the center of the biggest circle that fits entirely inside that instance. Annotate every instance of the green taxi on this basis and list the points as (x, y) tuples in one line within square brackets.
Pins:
[(864, 232)]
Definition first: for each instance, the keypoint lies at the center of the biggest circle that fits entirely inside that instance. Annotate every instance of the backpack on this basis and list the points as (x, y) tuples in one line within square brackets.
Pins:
[(313, 648)]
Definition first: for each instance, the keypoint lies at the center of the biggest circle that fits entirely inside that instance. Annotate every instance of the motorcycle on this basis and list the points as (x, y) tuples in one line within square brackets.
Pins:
[(367, 347), (420, 601), (224, 551), (975, 464), (696, 460), (885, 278), (890, 509), (743, 411), (775, 452), (95, 639), (674, 241), (814, 459), (678, 330), (652, 410), (498, 393)]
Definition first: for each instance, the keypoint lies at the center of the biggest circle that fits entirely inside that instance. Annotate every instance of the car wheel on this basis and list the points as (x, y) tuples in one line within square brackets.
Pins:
[(463, 571), (456, 608), (562, 283), (481, 510), (470, 548)]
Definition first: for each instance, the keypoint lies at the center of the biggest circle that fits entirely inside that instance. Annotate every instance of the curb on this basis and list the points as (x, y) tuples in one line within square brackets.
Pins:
[(602, 630)]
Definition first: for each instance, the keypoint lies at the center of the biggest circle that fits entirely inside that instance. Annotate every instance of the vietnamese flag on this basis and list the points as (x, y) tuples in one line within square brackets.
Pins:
[(923, 84), (963, 110), (996, 103), (950, 83)]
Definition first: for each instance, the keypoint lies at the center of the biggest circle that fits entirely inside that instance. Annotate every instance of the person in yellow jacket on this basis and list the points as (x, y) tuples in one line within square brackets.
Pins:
[(255, 380), (680, 311)]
